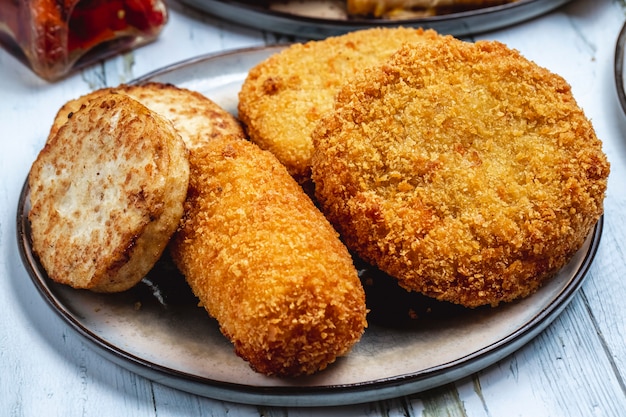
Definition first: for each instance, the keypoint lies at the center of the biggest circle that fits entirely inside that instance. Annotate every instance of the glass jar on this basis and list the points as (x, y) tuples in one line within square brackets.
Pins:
[(55, 37)]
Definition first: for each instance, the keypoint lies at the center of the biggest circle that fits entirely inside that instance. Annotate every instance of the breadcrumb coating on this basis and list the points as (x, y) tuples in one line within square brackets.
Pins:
[(283, 98), (463, 169), (264, 262)]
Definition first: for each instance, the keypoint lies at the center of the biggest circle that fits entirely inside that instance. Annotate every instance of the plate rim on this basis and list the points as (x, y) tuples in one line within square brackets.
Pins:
[(325, 395), (618, 67)]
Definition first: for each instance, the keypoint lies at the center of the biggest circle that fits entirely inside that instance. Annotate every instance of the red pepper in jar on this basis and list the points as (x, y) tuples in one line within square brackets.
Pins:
[(54, 35)]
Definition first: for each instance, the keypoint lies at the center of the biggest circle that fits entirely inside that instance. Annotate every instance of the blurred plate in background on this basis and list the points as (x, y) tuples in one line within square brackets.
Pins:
[(320, 19)]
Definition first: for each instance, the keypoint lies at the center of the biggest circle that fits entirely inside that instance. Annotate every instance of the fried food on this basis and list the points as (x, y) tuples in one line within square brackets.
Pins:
[(265, 262), (413, 8), (107, 193), (464, 170), (283, 97), (68, 109), (196, 117), (249, 234)]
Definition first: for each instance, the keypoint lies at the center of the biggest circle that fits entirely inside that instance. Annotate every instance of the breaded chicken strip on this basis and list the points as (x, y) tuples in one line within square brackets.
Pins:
[(266, 263), (464, 170), (283, 97)]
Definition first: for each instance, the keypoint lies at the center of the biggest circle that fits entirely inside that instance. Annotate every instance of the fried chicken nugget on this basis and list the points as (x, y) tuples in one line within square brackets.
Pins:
[(464, 170), (264, 262), (283, 97)]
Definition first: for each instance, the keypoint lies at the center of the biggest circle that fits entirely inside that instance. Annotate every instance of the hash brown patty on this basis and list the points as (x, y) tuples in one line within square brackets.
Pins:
[(197, 118), (107, 193), (463, 169)]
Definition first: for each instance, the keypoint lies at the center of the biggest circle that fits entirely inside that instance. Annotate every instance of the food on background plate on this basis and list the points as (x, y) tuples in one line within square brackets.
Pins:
[(283, 98), (107, 193), (416, 8), (375, 9), (463, 169), (266, 263)]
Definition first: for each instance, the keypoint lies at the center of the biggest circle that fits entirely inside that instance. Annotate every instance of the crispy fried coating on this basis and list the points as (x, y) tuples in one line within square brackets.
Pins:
[(107, 193), (265, 262), (464, 170), (283, 97)]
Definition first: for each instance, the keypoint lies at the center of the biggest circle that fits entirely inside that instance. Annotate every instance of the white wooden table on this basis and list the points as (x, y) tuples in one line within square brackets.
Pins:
[(577, 367)]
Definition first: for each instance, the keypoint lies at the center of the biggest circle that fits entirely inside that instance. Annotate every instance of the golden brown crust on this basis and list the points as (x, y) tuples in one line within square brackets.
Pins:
[(107, 193), (465, 170), (413, 8), (282, 98), (265, 262)]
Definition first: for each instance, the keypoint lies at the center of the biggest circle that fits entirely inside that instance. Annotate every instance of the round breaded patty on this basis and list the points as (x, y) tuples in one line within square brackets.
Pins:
[(464, 170), (107, 193), (284, 97)]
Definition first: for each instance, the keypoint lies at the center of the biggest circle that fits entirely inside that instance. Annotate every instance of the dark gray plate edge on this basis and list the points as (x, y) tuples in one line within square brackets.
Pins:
[(206, 57), (458, 24), (618, 67)]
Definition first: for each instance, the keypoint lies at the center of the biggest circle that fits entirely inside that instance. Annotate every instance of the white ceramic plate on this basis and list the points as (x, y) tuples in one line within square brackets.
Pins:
[(157, 330), (322, 18)]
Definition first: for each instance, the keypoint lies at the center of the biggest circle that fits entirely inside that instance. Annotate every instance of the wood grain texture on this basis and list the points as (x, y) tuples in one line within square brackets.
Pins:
[(576, 367)]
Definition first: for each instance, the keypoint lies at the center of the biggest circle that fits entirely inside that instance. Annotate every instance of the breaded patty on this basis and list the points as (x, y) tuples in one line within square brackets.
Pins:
[(464, 170), (196, 117), (283, 97), (265, 262), (107, 193)]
